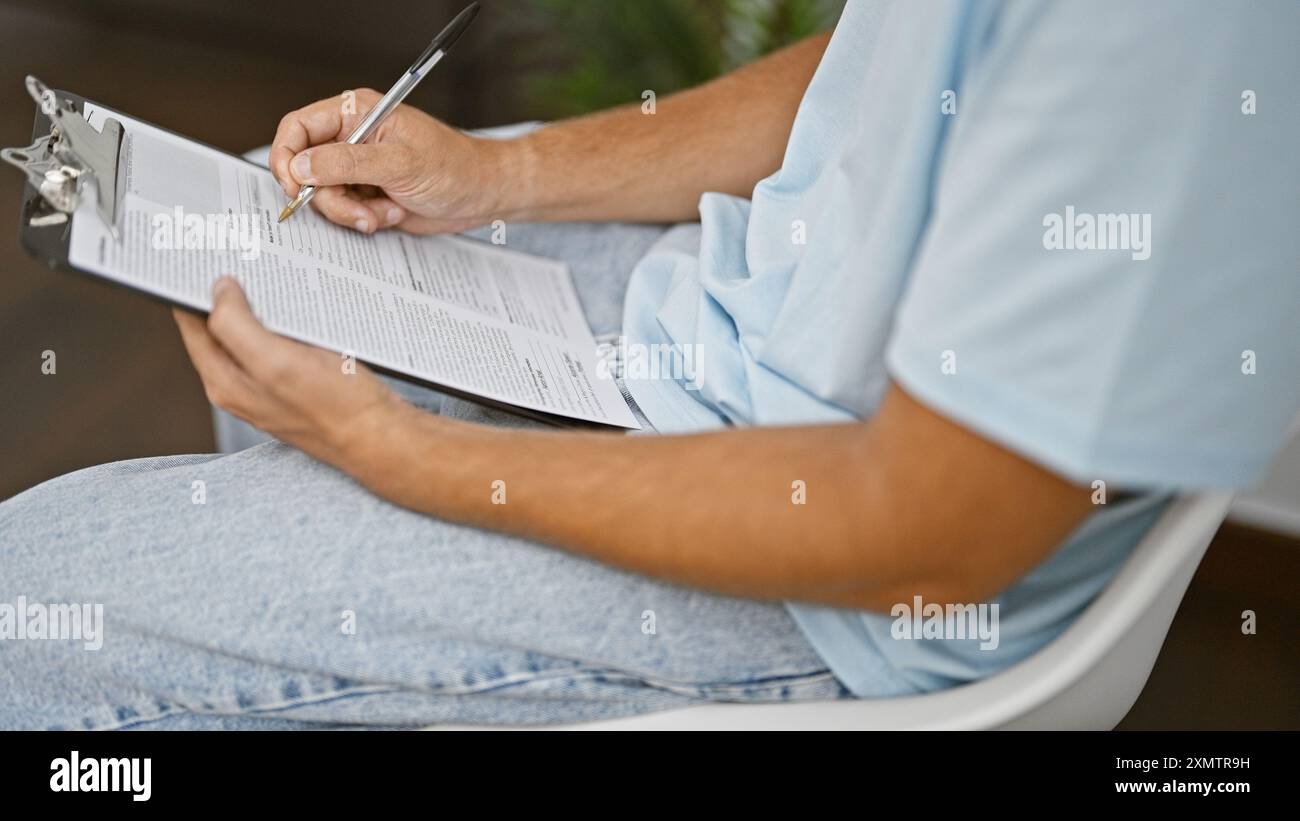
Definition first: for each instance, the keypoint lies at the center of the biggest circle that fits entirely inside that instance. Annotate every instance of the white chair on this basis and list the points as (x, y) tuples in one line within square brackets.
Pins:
[(1087, 679)]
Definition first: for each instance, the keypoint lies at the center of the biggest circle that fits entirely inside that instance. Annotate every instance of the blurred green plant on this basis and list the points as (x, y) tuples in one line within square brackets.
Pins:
[(615, 49)]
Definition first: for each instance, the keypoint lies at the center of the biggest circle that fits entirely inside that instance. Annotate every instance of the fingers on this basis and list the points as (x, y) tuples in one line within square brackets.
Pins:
[(223, 381), (364, 214), (338, 206), (389, 213), (315, 124), (254, 349), (343, 164), (323, 121)]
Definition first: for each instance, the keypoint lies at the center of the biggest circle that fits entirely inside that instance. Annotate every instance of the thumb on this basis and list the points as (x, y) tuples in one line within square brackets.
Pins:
[(344, 164), (232, 323)]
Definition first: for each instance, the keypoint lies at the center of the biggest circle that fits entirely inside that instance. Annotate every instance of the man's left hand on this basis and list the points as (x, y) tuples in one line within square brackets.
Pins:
[(319, 402)]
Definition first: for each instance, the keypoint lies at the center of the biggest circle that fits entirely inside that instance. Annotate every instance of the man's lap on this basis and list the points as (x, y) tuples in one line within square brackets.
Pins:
[(286, 593), (292, 592)]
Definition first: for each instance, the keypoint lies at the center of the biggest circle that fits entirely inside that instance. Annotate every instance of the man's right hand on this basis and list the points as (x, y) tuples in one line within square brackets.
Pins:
[(413, 173), (629, 164)]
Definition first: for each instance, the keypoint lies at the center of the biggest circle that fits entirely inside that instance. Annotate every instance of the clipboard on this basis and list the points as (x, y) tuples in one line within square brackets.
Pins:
[(66, 155), (69, 160)]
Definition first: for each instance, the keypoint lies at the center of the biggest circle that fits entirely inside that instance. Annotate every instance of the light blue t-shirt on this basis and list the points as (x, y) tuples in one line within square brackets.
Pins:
[(1067, 226)]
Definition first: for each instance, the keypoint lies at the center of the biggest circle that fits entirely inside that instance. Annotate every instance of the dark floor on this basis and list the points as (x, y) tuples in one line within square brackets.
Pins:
[(124, 388), (1211, 676)]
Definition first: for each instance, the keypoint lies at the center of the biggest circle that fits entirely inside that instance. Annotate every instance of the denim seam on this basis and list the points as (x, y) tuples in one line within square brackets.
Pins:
[(711, 690), (319, 698), (708, 691)]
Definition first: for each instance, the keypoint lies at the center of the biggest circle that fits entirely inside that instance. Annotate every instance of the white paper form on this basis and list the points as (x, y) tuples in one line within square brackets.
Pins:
[(470, 316)]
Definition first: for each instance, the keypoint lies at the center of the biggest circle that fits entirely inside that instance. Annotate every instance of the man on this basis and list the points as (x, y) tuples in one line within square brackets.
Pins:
[(975, 286)]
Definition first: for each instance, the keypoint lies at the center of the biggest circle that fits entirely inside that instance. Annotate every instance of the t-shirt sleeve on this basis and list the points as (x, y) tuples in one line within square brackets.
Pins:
[(1110, 282)]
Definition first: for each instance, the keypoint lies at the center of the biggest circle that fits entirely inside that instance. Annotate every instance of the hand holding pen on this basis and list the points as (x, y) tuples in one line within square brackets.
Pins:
[(353, 161)]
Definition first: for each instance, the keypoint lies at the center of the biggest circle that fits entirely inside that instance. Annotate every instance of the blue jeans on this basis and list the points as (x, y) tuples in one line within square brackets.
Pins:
[(291, 597)]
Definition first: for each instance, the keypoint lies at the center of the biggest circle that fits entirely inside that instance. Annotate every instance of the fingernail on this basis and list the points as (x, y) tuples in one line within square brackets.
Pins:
[(222, 285), (301, 166), (394, 215), (363, 226)]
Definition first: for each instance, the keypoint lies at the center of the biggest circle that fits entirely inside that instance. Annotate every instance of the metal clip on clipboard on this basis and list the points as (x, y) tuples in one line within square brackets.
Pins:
[(60, 164)]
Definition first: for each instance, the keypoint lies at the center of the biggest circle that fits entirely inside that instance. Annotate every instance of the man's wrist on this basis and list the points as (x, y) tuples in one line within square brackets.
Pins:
[(368, 445), (513, 176), (405, 455)]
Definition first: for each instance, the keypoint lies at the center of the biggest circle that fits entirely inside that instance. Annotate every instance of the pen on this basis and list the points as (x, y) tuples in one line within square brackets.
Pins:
[(404, 86)]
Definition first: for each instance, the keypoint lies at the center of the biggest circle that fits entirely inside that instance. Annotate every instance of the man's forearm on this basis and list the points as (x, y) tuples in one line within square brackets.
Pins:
[(857, 515), (626, 165), (697, 510)]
